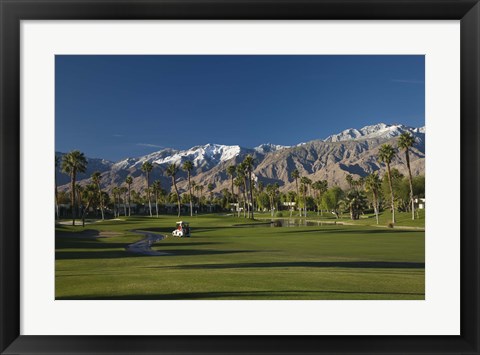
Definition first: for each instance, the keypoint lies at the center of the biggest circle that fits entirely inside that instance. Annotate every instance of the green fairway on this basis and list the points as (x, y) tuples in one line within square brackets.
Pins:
[(234, 258)]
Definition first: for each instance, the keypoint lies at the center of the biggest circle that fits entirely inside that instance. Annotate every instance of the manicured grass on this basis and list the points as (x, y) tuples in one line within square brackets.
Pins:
[(225, 260)]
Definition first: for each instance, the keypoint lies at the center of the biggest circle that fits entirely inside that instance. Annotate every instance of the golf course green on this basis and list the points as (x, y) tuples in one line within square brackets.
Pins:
[(235, 258)]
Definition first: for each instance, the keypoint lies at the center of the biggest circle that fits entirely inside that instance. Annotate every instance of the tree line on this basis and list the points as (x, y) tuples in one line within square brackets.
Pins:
[(373, 192)]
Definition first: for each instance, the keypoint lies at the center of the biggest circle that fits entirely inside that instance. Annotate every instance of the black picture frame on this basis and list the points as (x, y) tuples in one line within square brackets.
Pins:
[(13, 11)]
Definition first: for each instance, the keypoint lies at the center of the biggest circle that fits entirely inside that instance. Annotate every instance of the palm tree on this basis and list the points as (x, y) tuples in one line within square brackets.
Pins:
[(188, 167), (304, 183), (249, 162), (147, 168), (349, 179), (320, 187), (386, 155), (89, 194), (238, 181), (210, 188), (231, 171), (405, 142), (272, 191), (156, 187), (355, 202), (129, 181), (57, 212), (296, 175), (194, 188), (372, 184), (115, 193), (96, 177), (123, 190), (200, 188), (172, 171), (241, 174), (73, 163)]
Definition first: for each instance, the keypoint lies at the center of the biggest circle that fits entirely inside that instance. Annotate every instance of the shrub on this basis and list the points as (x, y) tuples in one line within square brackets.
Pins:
[(390, 225), (279, 214), (277, 224)]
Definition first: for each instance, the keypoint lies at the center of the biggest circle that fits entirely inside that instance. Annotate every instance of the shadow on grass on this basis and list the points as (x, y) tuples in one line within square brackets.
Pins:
[(111, 254), (313, 264), (241, 295), (348, 230)]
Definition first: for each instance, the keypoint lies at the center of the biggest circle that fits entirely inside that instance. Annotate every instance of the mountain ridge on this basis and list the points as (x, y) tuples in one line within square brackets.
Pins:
[(352, 151)]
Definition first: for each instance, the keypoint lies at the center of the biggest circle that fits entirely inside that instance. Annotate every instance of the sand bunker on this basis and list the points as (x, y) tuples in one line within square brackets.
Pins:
[(144, 246)]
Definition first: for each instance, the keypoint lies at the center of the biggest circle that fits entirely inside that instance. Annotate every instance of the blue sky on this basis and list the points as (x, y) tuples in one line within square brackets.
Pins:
[(115, 107)]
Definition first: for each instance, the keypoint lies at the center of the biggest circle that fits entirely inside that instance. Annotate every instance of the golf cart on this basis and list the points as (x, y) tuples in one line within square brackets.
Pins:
[(182, 230)]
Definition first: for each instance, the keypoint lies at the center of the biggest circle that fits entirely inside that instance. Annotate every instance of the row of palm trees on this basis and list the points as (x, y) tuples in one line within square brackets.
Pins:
[(241, 177), (386, 155)]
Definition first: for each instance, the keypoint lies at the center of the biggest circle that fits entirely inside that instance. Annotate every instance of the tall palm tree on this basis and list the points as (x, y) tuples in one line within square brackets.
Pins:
[(194, 188), (89, 194), (188, 167), (72, 164), (249, 162), (115, 193), (296, 175), (405, 142), (210, 188), (386, 155), (231, 171), (304, 181), (200, 188), (129, 181), (172, 171), (147, 168), (57, 211), (372, 184), (156, 187), (122, 191), (241, 174), (96, 177), (238, 181)]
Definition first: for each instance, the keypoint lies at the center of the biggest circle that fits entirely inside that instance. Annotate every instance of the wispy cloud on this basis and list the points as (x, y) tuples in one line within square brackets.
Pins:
[(118, 135), (149, 145), (408, 81)]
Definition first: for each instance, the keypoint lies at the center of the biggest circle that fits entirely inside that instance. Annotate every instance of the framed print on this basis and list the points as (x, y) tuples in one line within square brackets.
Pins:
[(247, 177)]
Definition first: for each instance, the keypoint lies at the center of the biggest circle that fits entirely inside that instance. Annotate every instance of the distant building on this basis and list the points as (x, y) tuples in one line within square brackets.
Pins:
[(420, 203)]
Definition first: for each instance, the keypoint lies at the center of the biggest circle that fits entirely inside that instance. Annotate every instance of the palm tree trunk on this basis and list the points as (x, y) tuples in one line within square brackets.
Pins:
[(178, 195), (57, 212), (118, 199), (244, 204), (251, 192), (125, 203), (72, 196), (375, 205), (101, 201), (245, 192), (407, 158), (298, 198), (190, 193), (391, 193), (129, 200), (148, 195), (156, 202), (85, 212), (305, 201)]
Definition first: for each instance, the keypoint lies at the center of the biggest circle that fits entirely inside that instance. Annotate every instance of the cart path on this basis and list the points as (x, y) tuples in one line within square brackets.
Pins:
[(144, 246)]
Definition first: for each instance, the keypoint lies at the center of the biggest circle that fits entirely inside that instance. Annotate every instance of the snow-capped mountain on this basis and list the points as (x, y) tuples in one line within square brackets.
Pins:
[(206, 156), (269, 148), (380, 130), (353, 151)]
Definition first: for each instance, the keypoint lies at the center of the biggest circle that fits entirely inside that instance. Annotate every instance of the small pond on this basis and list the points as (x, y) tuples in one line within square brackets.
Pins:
[(288, 222)]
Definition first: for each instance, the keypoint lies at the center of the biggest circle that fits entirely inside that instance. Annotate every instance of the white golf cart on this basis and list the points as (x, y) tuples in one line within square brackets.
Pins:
[(182, 230)]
